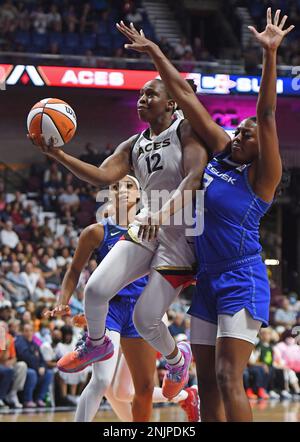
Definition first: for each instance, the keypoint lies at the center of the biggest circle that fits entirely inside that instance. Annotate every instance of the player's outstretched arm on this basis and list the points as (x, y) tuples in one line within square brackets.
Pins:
[(268, 167), (212, 134), (111, 170), (90, 238)]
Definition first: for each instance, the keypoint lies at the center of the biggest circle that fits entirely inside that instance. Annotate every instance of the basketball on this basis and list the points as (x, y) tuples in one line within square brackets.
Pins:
[(52, 118)]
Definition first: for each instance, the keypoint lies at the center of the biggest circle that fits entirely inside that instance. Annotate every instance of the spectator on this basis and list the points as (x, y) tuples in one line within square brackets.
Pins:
[(48, 349), (285, 316), (178, 325), (38, 377), (42, 293), (135, 17), (71, 19), (89, 59), (54, 19), (265, 357), (197, 48), (91, 155), (17, 283), (289, 351), (8, 237), (182, 48), (8, 359), (31, 278), (254, 379), (6, 379), (51, 276), (39, 20), (5, 310), (69, 202), (68, 379), (76, 303)]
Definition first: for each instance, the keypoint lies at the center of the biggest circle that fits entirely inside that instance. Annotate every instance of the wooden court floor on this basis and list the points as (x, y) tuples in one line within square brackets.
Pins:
[(263, 411)]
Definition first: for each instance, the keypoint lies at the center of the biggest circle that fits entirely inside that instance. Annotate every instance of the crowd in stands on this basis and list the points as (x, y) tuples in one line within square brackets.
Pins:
[(87, 28), (289, 53), (70, 27), (38, 235)]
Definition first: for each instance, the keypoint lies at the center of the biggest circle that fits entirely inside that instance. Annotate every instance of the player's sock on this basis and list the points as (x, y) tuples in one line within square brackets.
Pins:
[(96, 335), (97, 341), (177, 361)]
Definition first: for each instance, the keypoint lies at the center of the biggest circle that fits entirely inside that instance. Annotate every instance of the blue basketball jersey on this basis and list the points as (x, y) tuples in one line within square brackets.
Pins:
[(112, 234), (232, 214)]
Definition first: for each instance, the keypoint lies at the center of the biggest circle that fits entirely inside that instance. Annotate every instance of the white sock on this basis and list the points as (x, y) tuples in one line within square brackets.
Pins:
[(177, 361), (159, 397)]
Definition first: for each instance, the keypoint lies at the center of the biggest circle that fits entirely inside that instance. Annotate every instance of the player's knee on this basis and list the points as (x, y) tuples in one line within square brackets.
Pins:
[(145, 390), (227, 376), (92, 291), (122, 393), (142, 323), (100, 384)]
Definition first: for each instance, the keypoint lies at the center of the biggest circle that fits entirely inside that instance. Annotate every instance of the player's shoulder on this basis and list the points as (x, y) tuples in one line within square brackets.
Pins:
[(184, 130), (126, 145), (93, 233)]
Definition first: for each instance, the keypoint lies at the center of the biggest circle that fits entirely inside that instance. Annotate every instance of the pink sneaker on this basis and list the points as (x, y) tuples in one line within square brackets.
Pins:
[(86, 355), (177, 377), (191, 405)]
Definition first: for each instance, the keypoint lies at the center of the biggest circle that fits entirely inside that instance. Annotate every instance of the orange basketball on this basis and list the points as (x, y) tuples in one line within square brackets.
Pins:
[(52, 118)]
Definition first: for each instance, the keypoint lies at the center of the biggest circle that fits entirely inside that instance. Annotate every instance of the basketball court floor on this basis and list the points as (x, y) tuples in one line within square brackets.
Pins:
[(264, 411)]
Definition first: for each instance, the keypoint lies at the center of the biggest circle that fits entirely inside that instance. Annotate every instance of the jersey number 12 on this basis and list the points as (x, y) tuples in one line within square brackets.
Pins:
[(153, 163)]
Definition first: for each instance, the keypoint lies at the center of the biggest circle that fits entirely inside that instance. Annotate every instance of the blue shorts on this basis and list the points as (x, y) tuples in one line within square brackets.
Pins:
[(230, 291), (119, 316)]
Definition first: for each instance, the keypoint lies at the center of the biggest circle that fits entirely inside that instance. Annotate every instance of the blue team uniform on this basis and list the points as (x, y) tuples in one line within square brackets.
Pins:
[(231, 275), (121, 306)]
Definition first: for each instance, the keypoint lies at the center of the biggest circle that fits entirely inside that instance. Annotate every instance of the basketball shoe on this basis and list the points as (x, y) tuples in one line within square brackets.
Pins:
[(177, 377), (86, 354)]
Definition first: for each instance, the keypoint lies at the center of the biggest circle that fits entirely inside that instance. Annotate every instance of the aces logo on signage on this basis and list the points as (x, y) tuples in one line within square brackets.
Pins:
[(24, 74)]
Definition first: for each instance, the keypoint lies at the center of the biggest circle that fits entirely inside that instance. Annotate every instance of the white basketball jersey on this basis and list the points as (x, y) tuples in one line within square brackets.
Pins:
[(158, 165)]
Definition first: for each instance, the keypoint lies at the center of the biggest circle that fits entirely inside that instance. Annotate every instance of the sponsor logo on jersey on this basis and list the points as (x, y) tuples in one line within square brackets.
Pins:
[(156, 145), (223, 176)]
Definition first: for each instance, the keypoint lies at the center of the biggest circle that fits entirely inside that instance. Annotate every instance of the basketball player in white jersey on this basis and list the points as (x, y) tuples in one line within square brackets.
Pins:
[(167, 156)]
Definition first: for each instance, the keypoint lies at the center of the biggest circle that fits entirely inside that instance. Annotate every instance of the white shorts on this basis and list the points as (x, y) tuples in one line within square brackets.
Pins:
[(240, 326), (173, 252)]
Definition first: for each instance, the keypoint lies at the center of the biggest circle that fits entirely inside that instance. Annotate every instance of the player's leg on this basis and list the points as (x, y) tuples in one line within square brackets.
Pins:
[(102, 375), (141, 360), (123, 389), (203, 340), (125, 263), (235, 342), (149, 310), (122, 408)]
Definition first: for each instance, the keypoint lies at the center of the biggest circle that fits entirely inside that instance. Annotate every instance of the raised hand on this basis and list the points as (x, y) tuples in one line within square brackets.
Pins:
[(274, 33), (138, 40)]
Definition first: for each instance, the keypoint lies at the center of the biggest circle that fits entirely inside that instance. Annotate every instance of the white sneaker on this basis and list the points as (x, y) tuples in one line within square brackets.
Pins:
[(12, 399), (3, 406), (274, 395), (285, 395)]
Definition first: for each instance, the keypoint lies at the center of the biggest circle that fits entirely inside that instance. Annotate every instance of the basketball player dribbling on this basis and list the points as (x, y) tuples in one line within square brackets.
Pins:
[(231, 302), (122, 382), (167, 156)]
